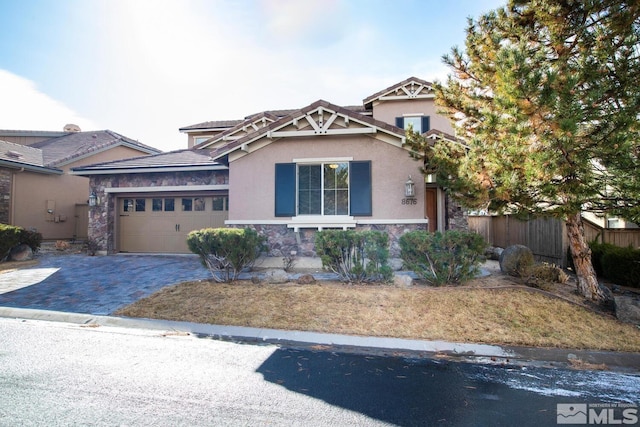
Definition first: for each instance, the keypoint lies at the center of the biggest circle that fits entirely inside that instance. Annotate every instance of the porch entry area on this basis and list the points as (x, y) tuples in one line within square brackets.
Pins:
[(160, 224)]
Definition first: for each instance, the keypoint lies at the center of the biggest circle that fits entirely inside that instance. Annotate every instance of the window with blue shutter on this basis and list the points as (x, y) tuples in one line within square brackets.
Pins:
[(360, 188), (420, 124), (426, 124), (285, 189), (327, 189)]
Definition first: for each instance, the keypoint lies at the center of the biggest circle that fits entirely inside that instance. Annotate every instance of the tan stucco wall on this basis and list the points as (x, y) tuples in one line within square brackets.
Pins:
[(252, 177), (33, 192), (387, 111), (192, 135)]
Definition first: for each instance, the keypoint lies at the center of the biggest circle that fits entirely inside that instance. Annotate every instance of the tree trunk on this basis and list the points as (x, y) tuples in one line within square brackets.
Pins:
[(588, 285)]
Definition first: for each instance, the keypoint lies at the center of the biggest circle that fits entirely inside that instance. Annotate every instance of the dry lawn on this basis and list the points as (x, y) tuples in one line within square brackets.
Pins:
[(489, 310)]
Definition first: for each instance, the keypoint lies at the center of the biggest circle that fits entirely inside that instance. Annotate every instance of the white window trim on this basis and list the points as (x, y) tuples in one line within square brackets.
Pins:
[(321, 161), (314, 160)]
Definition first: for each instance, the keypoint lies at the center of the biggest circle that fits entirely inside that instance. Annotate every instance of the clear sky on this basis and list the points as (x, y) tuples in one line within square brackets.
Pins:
[(145, 68)]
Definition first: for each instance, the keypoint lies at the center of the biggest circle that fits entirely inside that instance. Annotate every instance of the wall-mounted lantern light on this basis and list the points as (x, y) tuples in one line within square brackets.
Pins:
[(93, 199), (409, 188)]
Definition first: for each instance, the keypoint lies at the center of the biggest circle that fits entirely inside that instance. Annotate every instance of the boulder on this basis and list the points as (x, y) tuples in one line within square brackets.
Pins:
[(517, 260), (306, 279), (20, 253), (402, 280), (276, 276), (628, 309), (395, 264)]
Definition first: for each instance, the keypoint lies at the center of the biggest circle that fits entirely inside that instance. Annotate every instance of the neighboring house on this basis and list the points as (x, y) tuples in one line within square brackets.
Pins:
[(37, 191), (286, 173)]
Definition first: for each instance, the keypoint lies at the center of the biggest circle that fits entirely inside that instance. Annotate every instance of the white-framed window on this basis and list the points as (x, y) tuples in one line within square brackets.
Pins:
[(200, 139), (323, 189), (418, 122), (328, 187)]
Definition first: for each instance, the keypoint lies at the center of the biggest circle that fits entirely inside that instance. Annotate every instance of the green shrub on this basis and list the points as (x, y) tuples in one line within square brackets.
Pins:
[(356, 256), (226, 251), (597, 253), (11, 236), (622, 266), (517, 261), (451, 257), (31, 238)]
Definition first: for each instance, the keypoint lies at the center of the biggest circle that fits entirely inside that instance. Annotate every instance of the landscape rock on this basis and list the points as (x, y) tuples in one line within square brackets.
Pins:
[(516, 260), (628, 309), (402, 280), (395, 263), (20, 253), (276, 276), (494, 253), (306, 279)]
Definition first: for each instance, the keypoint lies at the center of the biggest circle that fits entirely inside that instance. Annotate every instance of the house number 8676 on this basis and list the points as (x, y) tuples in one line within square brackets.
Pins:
[(410, 201)]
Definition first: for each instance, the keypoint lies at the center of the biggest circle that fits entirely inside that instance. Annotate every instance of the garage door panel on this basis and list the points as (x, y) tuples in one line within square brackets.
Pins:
[(149, 227)]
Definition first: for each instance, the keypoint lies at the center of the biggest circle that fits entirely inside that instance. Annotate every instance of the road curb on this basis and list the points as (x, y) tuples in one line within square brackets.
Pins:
[(628, 362)]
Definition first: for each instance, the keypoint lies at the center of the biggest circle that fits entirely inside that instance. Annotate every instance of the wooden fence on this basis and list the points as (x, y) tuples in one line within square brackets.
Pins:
[(546, 237)]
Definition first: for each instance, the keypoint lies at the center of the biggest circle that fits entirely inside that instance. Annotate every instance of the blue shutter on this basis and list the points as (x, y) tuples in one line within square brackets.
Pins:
[(360, 188), (400, 122), (425, 124), (285, 189)]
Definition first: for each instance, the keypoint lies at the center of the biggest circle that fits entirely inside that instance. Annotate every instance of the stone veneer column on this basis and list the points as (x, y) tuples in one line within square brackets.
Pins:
[(457, 216), (99, 218), (5, 195)]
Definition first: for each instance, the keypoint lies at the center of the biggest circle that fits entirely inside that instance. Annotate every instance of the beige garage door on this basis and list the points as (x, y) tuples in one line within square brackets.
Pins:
[(161, 224)]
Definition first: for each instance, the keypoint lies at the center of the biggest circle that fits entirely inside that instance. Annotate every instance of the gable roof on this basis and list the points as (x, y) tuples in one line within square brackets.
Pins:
[(254, 123), (17, 156), (229, 124), (411, 88), (172, 161), (77, 145), (32, 133), (318, 119)]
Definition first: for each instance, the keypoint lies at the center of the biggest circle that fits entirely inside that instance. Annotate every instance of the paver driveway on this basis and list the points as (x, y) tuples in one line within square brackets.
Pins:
[(94, 285)]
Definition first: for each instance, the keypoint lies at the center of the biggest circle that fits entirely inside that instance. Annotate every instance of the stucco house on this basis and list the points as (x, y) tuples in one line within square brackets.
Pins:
[(286, 173), (37, 190)]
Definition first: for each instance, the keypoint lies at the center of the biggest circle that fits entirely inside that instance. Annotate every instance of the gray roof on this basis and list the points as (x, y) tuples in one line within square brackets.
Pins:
[(216, 124), (229, 124), (234, 144), (188, 159), (31, 133), (76, 145), (17, 156)]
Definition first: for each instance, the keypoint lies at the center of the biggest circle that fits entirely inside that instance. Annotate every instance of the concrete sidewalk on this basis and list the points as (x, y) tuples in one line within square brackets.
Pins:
[(504, 355)]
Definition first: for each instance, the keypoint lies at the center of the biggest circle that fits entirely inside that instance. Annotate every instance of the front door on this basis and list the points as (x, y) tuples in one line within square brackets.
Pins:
[(431, 208)]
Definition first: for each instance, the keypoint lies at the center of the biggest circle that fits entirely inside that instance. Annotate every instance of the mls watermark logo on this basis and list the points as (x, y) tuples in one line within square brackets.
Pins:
[(572, 413), (597, 413)]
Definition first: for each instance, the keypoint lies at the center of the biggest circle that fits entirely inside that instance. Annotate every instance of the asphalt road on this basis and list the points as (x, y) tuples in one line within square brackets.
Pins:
[(59, 374)]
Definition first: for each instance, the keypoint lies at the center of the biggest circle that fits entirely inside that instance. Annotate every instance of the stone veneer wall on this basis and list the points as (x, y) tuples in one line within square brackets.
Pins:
[(102, 218), (457, 216), (5, 195), (282, 240)]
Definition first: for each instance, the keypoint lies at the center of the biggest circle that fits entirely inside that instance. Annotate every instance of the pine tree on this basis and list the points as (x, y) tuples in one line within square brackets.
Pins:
[(546, 98)]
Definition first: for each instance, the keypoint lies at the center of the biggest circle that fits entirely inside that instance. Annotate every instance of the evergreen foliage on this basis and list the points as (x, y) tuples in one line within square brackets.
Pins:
[(11, 236), (452, 257), (356, 256), (545, 98), (226, 251)]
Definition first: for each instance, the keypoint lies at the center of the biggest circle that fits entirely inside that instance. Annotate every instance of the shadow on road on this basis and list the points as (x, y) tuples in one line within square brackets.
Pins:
[(407, 392)]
